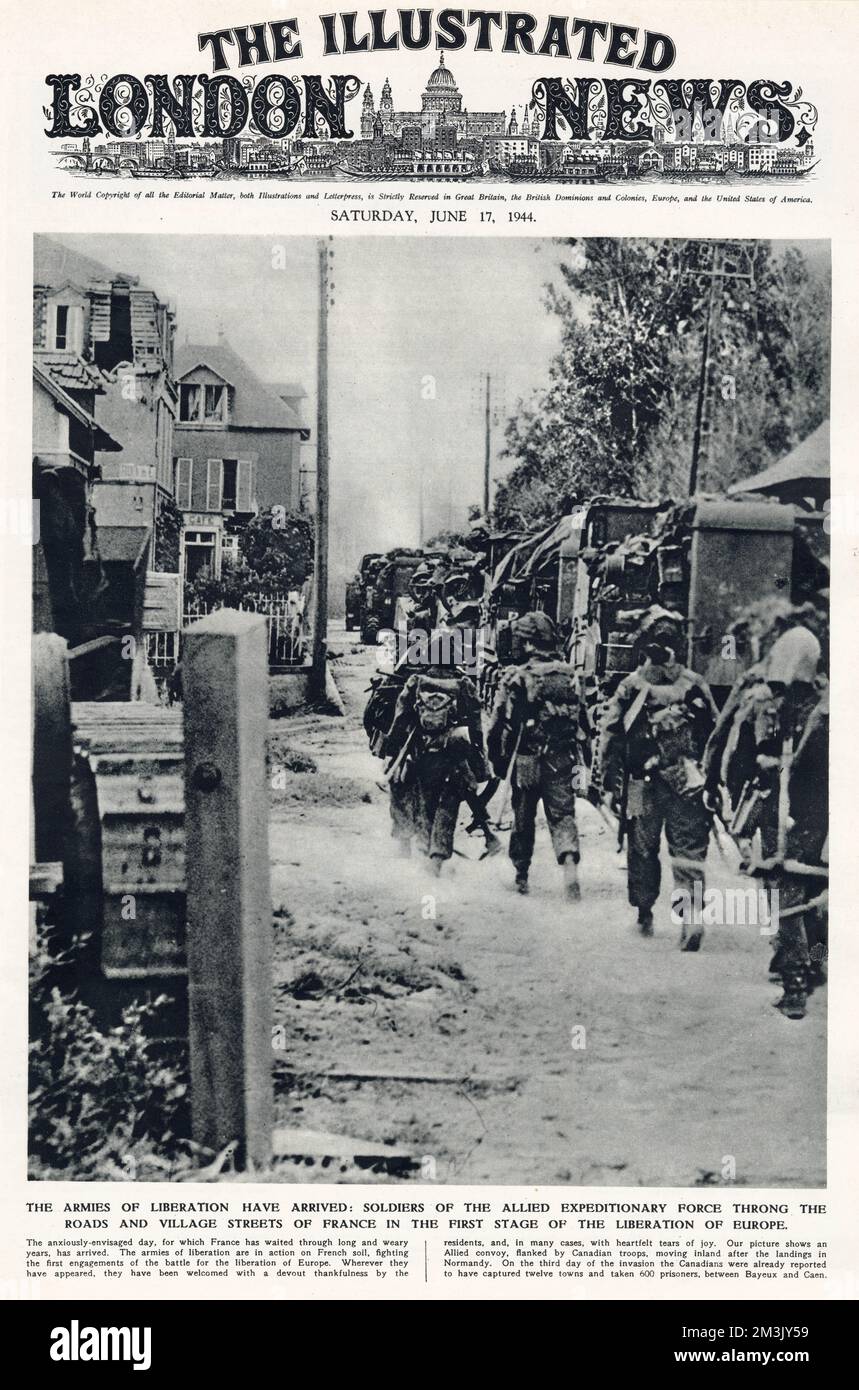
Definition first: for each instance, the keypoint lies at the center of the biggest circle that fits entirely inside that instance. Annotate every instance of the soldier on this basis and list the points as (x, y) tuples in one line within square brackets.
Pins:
[(379, 713), (655, 731), (436, 740), (423, 611), (768, 755), (532, 739)]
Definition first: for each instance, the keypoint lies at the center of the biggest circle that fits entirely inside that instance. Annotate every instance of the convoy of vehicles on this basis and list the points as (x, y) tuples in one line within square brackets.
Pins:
[(596, 570)]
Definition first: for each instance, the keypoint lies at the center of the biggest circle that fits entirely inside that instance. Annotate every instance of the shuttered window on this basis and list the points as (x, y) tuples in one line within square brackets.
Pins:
[(214, 483), (245, 489), (183, 484), (199, 485)]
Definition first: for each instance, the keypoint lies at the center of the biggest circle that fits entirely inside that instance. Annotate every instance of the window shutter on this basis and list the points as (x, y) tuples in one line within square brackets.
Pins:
[(214, 484), (245, 500), (199, 485), (183, 484), (76, 328)]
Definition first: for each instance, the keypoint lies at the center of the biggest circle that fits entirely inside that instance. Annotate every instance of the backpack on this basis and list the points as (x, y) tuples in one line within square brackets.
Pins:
[(671, 732), (553, 703), (379, 712), (436, 706)]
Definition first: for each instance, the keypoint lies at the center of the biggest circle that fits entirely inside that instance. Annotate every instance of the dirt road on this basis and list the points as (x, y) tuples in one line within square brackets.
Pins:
[(517, 1040)]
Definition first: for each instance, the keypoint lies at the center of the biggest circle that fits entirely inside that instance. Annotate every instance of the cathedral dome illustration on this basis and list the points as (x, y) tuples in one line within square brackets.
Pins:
[(442, 77)]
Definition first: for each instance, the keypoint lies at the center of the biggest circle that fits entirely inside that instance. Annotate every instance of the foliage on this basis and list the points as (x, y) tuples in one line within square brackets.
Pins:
[(618, 412), (102, 1104), (278, 545), (276, 550), (168, 530), (444, 539)]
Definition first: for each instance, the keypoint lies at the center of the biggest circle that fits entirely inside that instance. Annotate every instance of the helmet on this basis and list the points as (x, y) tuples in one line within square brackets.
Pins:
[(420, 577), (538, 629), (661, 627), (664, 621), (794, 657)]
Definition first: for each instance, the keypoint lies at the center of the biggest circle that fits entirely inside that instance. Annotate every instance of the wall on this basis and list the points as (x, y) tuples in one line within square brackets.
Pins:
[(50, 426), (275, 453)]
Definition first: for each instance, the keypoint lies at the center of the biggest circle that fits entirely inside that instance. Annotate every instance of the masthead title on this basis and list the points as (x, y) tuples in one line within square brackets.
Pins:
[(225, 104)]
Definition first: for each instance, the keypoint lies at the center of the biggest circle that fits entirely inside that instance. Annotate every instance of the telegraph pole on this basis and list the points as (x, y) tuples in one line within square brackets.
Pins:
[(734, 261), (487, 451), (703, 437), (320, 607)]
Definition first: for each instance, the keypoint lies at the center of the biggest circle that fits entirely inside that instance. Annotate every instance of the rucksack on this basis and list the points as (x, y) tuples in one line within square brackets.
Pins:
[(672, 733), (553, 702), (436, 706), (379, 712)]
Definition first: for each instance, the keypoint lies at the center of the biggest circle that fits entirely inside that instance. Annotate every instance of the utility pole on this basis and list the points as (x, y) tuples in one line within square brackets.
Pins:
[(320, 607), (487, 451), (730, 260)]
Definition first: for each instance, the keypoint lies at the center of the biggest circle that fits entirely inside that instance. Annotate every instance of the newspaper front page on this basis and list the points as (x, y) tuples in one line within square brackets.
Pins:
[(429, 514)]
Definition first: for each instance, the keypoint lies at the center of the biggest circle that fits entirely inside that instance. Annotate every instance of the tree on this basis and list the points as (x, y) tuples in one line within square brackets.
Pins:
[(168, 530), (277, 546), (276, 554), (617, 414)]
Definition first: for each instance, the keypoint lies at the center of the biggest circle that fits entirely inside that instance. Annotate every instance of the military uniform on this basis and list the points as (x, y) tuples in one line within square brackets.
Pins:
[(768, 756), (654, 733), (534, 726), (438, 715), (379, 715)]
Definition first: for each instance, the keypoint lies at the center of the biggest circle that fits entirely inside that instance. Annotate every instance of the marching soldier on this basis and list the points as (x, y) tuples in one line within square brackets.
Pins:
[(423, 613), (379, 711), (655, 731), (533, 744), (769, 756), (436, 741)]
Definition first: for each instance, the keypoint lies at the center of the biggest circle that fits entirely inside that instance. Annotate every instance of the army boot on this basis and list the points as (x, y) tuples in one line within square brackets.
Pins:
[(493, 844), (570, 870), (645, 921), (690, 939), (522, 882), (793, 1001)]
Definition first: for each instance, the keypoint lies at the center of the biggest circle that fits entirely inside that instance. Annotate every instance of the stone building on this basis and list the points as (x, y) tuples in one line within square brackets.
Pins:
[(441, 105), (237, 451)]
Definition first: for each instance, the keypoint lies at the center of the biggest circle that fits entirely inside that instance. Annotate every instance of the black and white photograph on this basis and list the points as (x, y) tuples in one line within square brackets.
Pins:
[(430, 710)]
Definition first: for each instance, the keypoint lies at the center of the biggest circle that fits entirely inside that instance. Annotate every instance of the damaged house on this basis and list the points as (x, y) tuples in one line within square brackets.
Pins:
[(103, 359)]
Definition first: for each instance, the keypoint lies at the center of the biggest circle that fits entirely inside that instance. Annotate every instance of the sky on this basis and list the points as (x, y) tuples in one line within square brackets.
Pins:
[(416, 324)]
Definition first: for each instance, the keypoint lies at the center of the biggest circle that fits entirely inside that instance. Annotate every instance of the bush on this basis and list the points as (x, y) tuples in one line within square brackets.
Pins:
[(102, 1104), (278, 546)]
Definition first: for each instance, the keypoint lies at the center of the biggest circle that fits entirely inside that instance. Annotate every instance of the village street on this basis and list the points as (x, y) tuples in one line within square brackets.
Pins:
[(501, 1039)]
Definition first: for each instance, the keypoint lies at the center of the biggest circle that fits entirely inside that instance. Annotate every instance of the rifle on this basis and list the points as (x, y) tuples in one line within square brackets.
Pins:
[(394, 765), (784, 794), (622, 808), (508, 781), (629, 721)]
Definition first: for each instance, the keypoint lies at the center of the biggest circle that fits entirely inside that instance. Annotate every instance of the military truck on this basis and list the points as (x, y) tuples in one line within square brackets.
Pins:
[(541, 571), (387, 581), (355, 590), (712, 561), (708, 559)]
